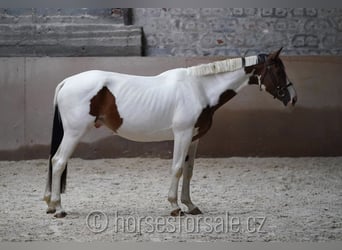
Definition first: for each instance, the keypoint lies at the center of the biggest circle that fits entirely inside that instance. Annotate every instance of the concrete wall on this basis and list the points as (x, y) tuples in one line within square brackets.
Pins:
[(67, 32), (251, 124)]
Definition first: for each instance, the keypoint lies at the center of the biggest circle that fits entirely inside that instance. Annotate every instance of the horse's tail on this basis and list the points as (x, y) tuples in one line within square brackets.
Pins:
[(56, 139)]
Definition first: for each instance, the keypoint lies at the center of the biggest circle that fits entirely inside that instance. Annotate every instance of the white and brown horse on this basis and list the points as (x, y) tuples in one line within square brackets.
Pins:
[(177, 105)]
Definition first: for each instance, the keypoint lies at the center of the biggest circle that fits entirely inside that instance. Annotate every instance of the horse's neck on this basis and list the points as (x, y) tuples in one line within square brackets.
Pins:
[(215, 85)]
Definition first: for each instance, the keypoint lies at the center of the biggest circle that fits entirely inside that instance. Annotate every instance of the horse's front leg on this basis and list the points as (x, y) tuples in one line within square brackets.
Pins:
[(187, 174), (182, 140)]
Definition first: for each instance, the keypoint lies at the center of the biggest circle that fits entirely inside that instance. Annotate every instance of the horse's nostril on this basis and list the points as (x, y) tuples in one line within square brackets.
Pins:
[(294, 100)]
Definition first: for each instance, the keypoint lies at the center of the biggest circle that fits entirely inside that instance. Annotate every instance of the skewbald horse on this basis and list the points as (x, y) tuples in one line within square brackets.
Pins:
[(178, 105)]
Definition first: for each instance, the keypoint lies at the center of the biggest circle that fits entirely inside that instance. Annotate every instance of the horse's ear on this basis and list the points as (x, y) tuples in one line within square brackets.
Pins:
[(275, 54), (278, 52)]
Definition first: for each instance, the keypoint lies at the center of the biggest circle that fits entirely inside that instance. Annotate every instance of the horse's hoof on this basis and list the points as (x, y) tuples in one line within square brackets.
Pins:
[(195, 211), (50, 210), (60, 214), (177, 212)]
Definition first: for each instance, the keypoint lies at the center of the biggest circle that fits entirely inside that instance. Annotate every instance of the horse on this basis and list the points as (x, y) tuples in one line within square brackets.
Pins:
[(177, 105)]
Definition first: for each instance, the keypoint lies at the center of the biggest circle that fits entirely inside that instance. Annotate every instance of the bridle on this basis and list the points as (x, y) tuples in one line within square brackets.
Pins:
[(280, 90)]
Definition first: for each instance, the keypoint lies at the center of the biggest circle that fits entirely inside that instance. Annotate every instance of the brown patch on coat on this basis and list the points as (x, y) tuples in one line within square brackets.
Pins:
[(253, 80), (103, 107), (205, 119), (257, 70)]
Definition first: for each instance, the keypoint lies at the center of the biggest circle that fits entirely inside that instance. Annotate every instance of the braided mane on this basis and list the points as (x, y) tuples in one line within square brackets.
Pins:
[(227, 65)]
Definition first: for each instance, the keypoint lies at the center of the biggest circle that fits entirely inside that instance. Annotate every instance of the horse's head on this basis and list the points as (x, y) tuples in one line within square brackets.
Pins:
[(272, 77)]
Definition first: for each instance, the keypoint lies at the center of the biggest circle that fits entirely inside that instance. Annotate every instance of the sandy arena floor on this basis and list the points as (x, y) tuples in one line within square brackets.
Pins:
[(243, 199)]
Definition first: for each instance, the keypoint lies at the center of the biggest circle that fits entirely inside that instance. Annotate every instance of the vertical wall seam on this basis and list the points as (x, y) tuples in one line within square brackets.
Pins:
[(25, 110)]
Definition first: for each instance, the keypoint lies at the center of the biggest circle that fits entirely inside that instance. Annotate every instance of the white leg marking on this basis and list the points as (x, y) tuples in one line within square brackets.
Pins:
[(47, 193), (187, 174), (181, 146), (68, 144)]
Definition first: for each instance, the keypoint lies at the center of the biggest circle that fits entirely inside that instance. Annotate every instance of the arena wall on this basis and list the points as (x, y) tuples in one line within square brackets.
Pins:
[(251, 124)]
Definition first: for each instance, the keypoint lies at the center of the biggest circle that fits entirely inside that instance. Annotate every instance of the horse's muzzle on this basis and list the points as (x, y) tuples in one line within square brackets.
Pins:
[(292, 93), (287, 94)]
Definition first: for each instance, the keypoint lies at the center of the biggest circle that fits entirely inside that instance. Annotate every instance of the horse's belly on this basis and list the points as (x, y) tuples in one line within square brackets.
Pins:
[(145, 123), (145, 135)]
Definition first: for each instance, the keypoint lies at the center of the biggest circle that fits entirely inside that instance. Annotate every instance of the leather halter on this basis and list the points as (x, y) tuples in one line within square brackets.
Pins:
[(280, 90)]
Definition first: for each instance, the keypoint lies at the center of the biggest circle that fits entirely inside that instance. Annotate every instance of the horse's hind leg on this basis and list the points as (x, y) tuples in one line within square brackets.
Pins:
[(68, 144), (47, 194)]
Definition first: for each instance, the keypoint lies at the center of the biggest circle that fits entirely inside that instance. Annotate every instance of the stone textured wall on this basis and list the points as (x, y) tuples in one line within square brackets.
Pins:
[(235, 31), (170, 31)]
